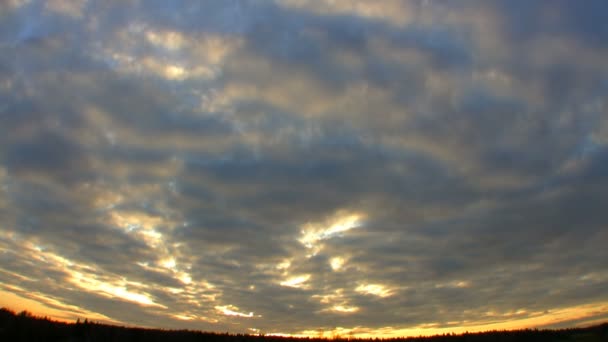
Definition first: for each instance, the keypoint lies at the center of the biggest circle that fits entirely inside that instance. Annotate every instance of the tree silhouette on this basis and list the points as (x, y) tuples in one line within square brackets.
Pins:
[(24, 326)]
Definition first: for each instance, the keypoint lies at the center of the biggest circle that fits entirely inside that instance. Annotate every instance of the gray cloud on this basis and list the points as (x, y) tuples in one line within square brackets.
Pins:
[(287, 167)]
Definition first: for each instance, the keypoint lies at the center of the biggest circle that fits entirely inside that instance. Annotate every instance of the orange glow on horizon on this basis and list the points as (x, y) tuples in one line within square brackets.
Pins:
[(588, 313), (19, 303)]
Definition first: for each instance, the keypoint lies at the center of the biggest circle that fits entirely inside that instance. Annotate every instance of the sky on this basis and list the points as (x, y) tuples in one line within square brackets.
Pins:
[(305, 167)]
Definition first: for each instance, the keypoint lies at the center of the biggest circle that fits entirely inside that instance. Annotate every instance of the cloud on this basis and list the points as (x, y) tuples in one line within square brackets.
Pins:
[(388, 167)]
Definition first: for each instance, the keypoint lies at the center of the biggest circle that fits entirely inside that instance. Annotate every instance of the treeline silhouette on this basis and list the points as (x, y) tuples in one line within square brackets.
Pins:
[(24, 326)]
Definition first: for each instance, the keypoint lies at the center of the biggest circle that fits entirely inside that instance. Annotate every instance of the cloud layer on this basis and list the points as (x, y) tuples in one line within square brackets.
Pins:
[(306, 167)]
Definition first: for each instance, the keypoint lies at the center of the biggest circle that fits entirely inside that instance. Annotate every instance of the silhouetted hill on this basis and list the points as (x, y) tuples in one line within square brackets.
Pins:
[(26, 327)]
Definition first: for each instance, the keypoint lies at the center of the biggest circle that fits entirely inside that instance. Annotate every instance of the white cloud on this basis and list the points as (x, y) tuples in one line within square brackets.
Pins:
[(231, 310), (378, 290), (298, 281)]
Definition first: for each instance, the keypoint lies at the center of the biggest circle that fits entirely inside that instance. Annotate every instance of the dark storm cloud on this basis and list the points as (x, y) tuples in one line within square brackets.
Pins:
[(257, 164)]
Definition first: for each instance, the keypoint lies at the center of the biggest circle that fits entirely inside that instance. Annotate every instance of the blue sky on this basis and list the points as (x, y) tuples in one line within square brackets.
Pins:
[(305, 166)]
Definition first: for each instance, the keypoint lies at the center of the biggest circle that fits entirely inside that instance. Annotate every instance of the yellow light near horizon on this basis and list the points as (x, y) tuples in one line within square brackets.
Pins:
[(15, 302), (231, 310), (550, 317), (183, 317), (68, 313), (90, 283)]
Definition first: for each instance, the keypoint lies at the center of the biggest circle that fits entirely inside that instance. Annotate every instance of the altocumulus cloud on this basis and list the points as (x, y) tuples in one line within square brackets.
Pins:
[(300, 167)]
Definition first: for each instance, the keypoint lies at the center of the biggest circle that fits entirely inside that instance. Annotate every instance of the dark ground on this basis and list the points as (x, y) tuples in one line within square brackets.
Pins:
[(26, 327)]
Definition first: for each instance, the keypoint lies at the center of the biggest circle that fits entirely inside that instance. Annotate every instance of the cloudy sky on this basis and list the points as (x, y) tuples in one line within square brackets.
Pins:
[(305, 166)]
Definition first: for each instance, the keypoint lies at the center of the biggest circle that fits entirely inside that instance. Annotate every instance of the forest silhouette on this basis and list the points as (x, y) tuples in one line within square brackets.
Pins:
[(25, 326)]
